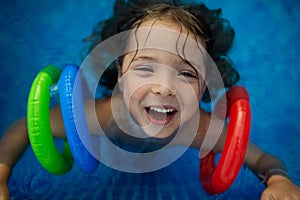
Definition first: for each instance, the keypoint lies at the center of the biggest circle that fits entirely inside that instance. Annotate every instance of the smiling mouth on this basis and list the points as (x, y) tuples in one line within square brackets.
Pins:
[(160, 116)]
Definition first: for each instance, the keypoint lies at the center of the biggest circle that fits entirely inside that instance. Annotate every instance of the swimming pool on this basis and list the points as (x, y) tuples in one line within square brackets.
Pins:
[(266, 53)]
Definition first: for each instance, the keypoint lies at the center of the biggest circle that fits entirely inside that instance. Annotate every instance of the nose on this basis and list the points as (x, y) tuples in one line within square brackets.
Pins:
[(162, 90)]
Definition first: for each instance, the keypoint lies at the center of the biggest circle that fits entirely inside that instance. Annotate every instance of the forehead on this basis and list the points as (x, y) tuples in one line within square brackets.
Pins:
[(170, 37), (167, 24), (163, 34)]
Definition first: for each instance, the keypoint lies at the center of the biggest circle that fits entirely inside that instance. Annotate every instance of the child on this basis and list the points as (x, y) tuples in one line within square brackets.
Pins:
[(160, 88)]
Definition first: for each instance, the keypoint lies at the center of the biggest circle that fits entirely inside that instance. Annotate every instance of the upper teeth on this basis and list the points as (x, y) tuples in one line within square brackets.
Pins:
[(161, 110)]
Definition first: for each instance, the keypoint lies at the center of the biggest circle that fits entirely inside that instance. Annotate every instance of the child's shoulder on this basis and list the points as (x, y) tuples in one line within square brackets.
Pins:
[(107, 107)]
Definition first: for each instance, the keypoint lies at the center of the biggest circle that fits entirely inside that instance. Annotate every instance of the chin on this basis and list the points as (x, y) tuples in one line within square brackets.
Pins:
[(159, 131)]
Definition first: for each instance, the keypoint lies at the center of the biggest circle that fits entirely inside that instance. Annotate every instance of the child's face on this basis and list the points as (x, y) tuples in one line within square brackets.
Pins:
[(160, 89)]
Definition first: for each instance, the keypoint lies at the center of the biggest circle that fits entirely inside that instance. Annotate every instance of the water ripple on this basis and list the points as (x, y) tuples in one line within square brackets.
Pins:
[(51, 56), (19, 28)]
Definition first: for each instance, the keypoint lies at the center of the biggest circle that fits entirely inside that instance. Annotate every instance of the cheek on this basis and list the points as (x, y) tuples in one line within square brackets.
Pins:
[(189, 101), (133, 91), (128, 93)]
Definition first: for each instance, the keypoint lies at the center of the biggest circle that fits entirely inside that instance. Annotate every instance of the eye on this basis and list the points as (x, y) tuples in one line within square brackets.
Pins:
[(188, 74), (144, 68)]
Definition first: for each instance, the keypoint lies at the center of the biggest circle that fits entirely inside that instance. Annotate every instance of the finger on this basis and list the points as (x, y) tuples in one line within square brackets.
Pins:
[(267, 196)]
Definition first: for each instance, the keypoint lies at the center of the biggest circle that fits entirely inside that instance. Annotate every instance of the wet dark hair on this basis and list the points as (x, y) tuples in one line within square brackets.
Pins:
[(214, 30)]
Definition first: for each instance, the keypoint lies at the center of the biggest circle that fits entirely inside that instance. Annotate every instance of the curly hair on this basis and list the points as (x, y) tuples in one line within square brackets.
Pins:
[(215, 31)]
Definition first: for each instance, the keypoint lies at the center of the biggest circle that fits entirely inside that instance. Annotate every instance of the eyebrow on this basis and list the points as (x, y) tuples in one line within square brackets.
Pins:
[(145, 58), (152, 59)]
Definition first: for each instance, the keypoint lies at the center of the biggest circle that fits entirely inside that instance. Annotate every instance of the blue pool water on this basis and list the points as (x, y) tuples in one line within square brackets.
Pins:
[(266, 53)]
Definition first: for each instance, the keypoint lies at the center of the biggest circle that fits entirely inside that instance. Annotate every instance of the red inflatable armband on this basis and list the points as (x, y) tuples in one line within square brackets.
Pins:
[(217, 179)]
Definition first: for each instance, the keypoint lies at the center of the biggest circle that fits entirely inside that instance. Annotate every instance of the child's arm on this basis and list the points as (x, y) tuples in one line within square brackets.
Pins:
[(265, 165), (12, 145), (15, 141), (270, 168), (279, 185)]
